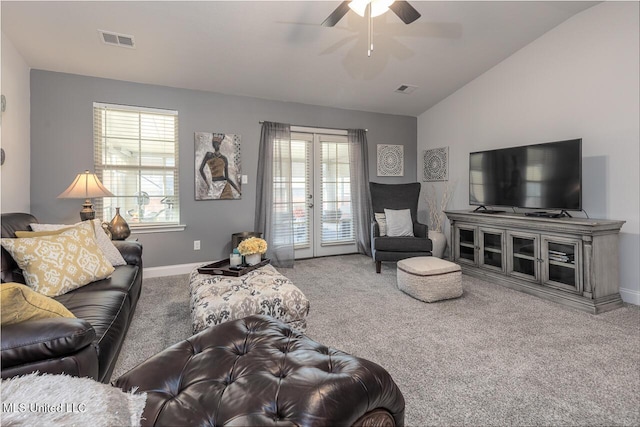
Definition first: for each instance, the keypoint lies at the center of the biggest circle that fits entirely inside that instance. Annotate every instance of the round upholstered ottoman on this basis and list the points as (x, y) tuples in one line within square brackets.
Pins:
[(429, 278)]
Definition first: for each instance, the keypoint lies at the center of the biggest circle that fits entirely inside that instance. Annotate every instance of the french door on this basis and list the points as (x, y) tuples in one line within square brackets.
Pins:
[(321, 187)]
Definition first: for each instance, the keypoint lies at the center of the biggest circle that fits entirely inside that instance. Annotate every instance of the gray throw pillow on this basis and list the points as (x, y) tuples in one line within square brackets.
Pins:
[(399, 223)]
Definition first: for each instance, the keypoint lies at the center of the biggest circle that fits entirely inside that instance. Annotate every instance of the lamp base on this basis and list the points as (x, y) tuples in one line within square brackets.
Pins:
[(87, 211)]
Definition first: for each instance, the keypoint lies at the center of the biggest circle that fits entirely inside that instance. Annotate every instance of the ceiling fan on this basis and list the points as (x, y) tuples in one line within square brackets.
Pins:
[(372, 8), (403, 9)]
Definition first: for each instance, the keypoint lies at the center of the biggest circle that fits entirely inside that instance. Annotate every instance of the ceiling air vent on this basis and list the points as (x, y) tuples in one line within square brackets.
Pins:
[(406, 89), (115, 39)]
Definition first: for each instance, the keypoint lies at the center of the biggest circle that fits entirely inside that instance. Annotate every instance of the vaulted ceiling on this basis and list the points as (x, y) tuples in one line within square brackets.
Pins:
[(279, 50)]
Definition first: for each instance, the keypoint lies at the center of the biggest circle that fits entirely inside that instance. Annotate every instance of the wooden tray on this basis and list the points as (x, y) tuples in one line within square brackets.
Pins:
[(221, 268)]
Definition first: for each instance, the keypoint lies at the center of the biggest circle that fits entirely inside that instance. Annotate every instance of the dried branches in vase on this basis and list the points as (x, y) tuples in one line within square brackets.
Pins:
[(436, 212)]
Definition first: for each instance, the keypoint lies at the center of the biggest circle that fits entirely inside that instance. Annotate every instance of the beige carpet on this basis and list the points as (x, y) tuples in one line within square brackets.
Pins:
[(492, 357)]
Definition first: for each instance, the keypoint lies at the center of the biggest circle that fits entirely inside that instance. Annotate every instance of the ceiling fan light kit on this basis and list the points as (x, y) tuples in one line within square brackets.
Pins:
[(372, 8), (401, 8), (378, 7)]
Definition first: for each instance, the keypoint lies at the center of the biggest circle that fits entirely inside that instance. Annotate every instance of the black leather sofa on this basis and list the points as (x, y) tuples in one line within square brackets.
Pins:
[(87, 346)]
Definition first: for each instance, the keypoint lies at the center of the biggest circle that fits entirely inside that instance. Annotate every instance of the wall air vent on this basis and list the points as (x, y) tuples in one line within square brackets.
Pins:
[(116, 39), (406, 89)]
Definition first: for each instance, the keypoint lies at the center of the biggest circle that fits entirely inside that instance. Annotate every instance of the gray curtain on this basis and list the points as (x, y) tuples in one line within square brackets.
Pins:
[(360, 197), (274, 209)]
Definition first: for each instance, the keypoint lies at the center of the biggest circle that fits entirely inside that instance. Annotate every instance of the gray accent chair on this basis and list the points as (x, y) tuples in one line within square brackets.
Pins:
[(393, 249)]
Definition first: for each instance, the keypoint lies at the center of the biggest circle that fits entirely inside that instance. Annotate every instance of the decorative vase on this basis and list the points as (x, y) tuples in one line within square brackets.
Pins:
[(105, 227), (439, 242), (119, 227), (253, 259)]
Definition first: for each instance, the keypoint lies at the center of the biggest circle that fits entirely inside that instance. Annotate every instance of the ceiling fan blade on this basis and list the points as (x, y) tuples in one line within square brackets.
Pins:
[(405, 11), (337, 14)]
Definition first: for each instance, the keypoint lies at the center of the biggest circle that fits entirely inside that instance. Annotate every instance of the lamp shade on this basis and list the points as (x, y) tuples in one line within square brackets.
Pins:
[(85, 186)]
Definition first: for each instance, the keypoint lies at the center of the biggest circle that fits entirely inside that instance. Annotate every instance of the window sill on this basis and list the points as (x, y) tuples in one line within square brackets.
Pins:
[(145, 229)]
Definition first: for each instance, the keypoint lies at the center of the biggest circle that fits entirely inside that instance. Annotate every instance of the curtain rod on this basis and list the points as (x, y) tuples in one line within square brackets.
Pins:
[(317, 127)]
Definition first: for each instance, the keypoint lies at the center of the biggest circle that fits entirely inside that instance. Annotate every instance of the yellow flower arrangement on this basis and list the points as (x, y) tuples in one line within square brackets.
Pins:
[(252, 245)]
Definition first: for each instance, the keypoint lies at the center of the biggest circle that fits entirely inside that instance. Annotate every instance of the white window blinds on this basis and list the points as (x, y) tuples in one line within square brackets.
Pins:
[(301, 188), (136, 158)]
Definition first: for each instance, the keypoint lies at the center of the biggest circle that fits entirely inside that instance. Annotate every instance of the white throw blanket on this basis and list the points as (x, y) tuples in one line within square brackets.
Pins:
[(62, 400)]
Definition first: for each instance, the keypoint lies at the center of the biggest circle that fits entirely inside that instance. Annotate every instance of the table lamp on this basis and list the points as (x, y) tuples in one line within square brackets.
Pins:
[(85, 186)]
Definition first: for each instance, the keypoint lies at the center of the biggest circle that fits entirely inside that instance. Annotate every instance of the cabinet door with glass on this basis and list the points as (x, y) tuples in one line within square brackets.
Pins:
[(465, 244), (491, 249), (561, 261), (524, 255)]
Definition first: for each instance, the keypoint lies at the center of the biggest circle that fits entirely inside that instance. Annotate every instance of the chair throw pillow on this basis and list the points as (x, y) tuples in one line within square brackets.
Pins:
[(399, 223), (382, 223), (20, 303), (54, 265), (110, 251)]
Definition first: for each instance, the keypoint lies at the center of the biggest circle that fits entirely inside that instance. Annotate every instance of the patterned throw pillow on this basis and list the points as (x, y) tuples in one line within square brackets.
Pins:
[(21, 233), (382, 223), (54, 265), (110, 251), (20, 303)]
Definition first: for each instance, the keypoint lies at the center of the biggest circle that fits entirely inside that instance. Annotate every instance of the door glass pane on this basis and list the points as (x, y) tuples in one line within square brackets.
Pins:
[(466, 236), (492, 249), (336, 219), (467, 246), (493, 241), (524, 261), (300, 189), (467, 253), (562, 263), (282, 192)]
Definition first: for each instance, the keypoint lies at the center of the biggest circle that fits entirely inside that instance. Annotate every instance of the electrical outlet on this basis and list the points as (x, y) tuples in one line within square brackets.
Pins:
[(196, 245), (245, 179)]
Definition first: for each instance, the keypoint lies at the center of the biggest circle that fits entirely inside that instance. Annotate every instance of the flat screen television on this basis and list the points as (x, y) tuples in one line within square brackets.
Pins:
[(540, 176)]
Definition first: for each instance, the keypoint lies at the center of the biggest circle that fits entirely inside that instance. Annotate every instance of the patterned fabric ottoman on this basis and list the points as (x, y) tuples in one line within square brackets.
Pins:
[(217, 299)]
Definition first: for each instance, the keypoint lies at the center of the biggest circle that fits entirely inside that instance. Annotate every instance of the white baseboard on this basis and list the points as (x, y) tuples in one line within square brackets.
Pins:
[(169, 270), (630, 296)]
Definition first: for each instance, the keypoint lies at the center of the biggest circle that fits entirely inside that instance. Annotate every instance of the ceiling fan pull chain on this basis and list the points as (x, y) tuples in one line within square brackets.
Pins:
[(371, 26), (370, 32)]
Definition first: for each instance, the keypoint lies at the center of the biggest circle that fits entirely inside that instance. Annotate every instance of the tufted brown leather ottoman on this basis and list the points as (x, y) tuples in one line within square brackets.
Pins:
[(258, 371)]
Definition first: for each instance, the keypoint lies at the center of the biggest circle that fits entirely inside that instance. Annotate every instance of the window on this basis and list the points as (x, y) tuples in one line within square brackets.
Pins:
[(291, 179), (337, 224), (136, 158)]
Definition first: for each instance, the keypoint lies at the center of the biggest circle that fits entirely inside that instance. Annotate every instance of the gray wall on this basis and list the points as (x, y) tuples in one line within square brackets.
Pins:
[(14, 130), (579, 80), (62, 146)]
